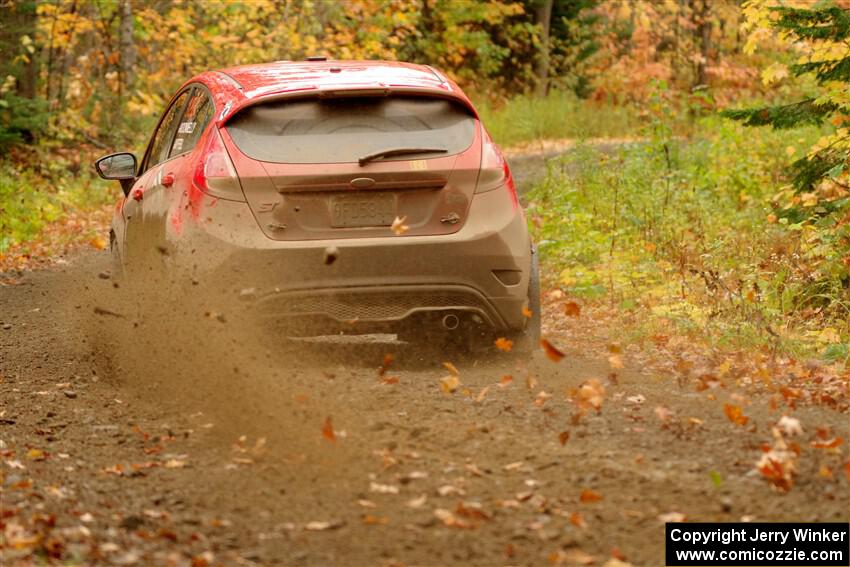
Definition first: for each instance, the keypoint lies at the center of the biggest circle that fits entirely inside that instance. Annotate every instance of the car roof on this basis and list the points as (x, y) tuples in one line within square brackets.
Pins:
[(238, 87), (291, 75)]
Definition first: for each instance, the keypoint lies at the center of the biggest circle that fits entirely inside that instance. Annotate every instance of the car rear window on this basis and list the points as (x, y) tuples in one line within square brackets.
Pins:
[(339, 130)]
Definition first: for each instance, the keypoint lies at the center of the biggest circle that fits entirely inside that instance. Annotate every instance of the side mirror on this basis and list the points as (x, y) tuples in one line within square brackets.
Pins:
[(120, 167)]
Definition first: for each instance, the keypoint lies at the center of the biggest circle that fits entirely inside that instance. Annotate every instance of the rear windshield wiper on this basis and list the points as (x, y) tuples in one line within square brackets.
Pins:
[(399, 152)]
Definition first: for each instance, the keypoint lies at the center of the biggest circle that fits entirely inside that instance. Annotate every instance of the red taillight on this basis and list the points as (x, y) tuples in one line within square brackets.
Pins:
[(215, 174), (494, 173)]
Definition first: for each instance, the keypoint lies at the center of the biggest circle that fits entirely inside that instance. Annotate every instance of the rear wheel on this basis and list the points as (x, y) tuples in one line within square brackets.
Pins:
[(526, 341)]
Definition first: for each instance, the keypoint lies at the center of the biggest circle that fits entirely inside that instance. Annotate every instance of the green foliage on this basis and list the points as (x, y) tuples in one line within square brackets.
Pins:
[(680, 230), (29, 201), (826, 28), (21, 119), (557, 115)]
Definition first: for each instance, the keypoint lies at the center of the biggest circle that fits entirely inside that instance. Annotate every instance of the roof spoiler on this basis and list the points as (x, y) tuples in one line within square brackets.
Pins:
[(341, 92)]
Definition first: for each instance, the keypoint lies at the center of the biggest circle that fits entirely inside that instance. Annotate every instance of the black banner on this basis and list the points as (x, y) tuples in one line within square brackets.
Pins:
[(757, 544)]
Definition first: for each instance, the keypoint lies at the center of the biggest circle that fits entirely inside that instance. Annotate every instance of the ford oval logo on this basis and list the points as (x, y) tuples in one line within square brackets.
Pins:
[(362, 183)]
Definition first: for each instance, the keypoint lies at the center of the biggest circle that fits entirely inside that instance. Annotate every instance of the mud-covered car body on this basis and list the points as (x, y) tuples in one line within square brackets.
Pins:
[(344, 196)]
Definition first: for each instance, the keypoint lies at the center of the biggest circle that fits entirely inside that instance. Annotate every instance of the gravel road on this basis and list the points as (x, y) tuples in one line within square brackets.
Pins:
[(131, 435)]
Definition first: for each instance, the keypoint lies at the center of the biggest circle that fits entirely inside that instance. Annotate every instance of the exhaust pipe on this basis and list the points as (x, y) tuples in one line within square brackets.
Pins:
[(451, 322)]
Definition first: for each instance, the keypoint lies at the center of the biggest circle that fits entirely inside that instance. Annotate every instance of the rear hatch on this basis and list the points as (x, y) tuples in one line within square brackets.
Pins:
[(347, 167)]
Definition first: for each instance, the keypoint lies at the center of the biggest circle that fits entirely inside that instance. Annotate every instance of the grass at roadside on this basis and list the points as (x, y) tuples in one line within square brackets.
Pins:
[(43, 214), (559, 115), (677, 237)]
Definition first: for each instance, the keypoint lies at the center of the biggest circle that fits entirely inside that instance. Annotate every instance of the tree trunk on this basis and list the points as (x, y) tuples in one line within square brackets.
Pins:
[(543, 18), (704, 31), (126, 45)]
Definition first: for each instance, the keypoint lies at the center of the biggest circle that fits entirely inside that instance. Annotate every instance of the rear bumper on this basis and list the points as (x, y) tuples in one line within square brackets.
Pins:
[(374, 283)]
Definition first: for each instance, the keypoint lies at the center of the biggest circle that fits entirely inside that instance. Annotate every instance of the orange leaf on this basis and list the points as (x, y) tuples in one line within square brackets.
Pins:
[(828, 443), (527, 312), (590, 395), (389, 380), (735, 414), (398, 226), (504, 344), (506, 380), (388, 359), (449, 384), (577, 520), (588, 495), (328, 430), (99, 242), (451, 368), (615, 361), (572, 309), (563, 437), (553, 353)]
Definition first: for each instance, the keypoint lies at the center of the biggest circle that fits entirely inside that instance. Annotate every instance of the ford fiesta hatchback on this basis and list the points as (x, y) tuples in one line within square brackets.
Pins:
[(335, 197)]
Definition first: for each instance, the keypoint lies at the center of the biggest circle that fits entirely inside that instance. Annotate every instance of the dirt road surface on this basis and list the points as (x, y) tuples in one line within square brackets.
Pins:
[(133, 435)]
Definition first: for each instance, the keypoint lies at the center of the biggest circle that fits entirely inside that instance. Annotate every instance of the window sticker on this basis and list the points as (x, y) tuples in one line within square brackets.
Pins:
[(178, 145), (186, 127)]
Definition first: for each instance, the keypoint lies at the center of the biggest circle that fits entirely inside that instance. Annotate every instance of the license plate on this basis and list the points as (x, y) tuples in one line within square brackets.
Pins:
[(362, 210)]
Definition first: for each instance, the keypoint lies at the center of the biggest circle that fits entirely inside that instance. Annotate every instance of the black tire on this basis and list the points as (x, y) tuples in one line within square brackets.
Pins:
[(526, 341)]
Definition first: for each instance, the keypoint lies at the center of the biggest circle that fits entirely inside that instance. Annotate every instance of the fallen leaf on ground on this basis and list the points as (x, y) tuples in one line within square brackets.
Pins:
[(503, 344), (615, 361), (527, 312), (563, 437), (174, 464), (663, 414), (389, 380), (639, 399), (575, 556), (577, 520), (735, 414), (473, 468), (572, 309), (789, 426), (827, 443), (385, 365), (448, 489), (449, 519), (383, 488), (591, 394), (552, 353), (588, 495), (36, 455), (530, 382), (448, 384), (471, 510), (321, 526), (371, 520), (778, 463), (506, 380), (417, 502), (328, 430), (541, 398), (671, 517), (480, 397), (451, 368)]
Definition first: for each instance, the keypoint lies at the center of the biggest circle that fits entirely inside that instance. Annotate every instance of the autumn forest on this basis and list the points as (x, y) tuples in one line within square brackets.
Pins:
[(682, 166)]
